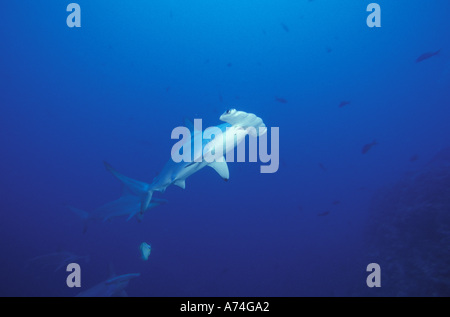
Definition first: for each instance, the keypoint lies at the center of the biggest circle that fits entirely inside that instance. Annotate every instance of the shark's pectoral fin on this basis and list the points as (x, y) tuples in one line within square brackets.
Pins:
[(180, 183), (221, 168), (190, 164)]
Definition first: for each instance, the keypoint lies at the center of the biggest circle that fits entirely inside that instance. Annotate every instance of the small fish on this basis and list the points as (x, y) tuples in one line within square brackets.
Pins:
[(281, 100), (145, 249), (322, 167), (329, 49), (427, 55), (229, 64), (325, 213), (414, 158), (285, 27), (344, 103), (336, 202), (368, 146)]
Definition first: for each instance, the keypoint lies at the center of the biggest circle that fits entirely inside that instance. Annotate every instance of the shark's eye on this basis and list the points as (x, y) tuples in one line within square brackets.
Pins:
[(230, 111)]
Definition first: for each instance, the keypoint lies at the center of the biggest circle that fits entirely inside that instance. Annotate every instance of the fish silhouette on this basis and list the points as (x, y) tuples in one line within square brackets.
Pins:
[(427, 55), (344, 103), (281, 100), (414, 158), (368, 146)]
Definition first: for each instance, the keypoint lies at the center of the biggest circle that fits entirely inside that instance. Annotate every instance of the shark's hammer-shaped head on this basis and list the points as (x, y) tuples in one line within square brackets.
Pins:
[(248, 121)]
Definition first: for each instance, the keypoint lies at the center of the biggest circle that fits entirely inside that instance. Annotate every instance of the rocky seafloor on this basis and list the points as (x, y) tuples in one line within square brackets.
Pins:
[(408, 231)]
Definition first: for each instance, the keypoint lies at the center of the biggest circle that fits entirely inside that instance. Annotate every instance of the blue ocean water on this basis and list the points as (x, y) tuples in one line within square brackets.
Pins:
[(115, 88)]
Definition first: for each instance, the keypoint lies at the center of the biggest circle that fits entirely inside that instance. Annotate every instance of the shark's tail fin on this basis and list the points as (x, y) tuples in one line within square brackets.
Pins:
[(84, 215), (134, 187)]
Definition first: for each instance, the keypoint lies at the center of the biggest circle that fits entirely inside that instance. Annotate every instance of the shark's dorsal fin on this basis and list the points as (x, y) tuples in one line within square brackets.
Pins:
[(180, 183), (221, 168)]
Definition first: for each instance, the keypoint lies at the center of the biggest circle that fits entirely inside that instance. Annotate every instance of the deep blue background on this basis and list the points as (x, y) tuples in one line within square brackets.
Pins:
[(116, 87)]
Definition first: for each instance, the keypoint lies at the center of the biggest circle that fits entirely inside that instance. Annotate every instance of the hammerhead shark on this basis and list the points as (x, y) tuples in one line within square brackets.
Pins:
[(114, 286), (237, 125), (56, 260), (126, 205)]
